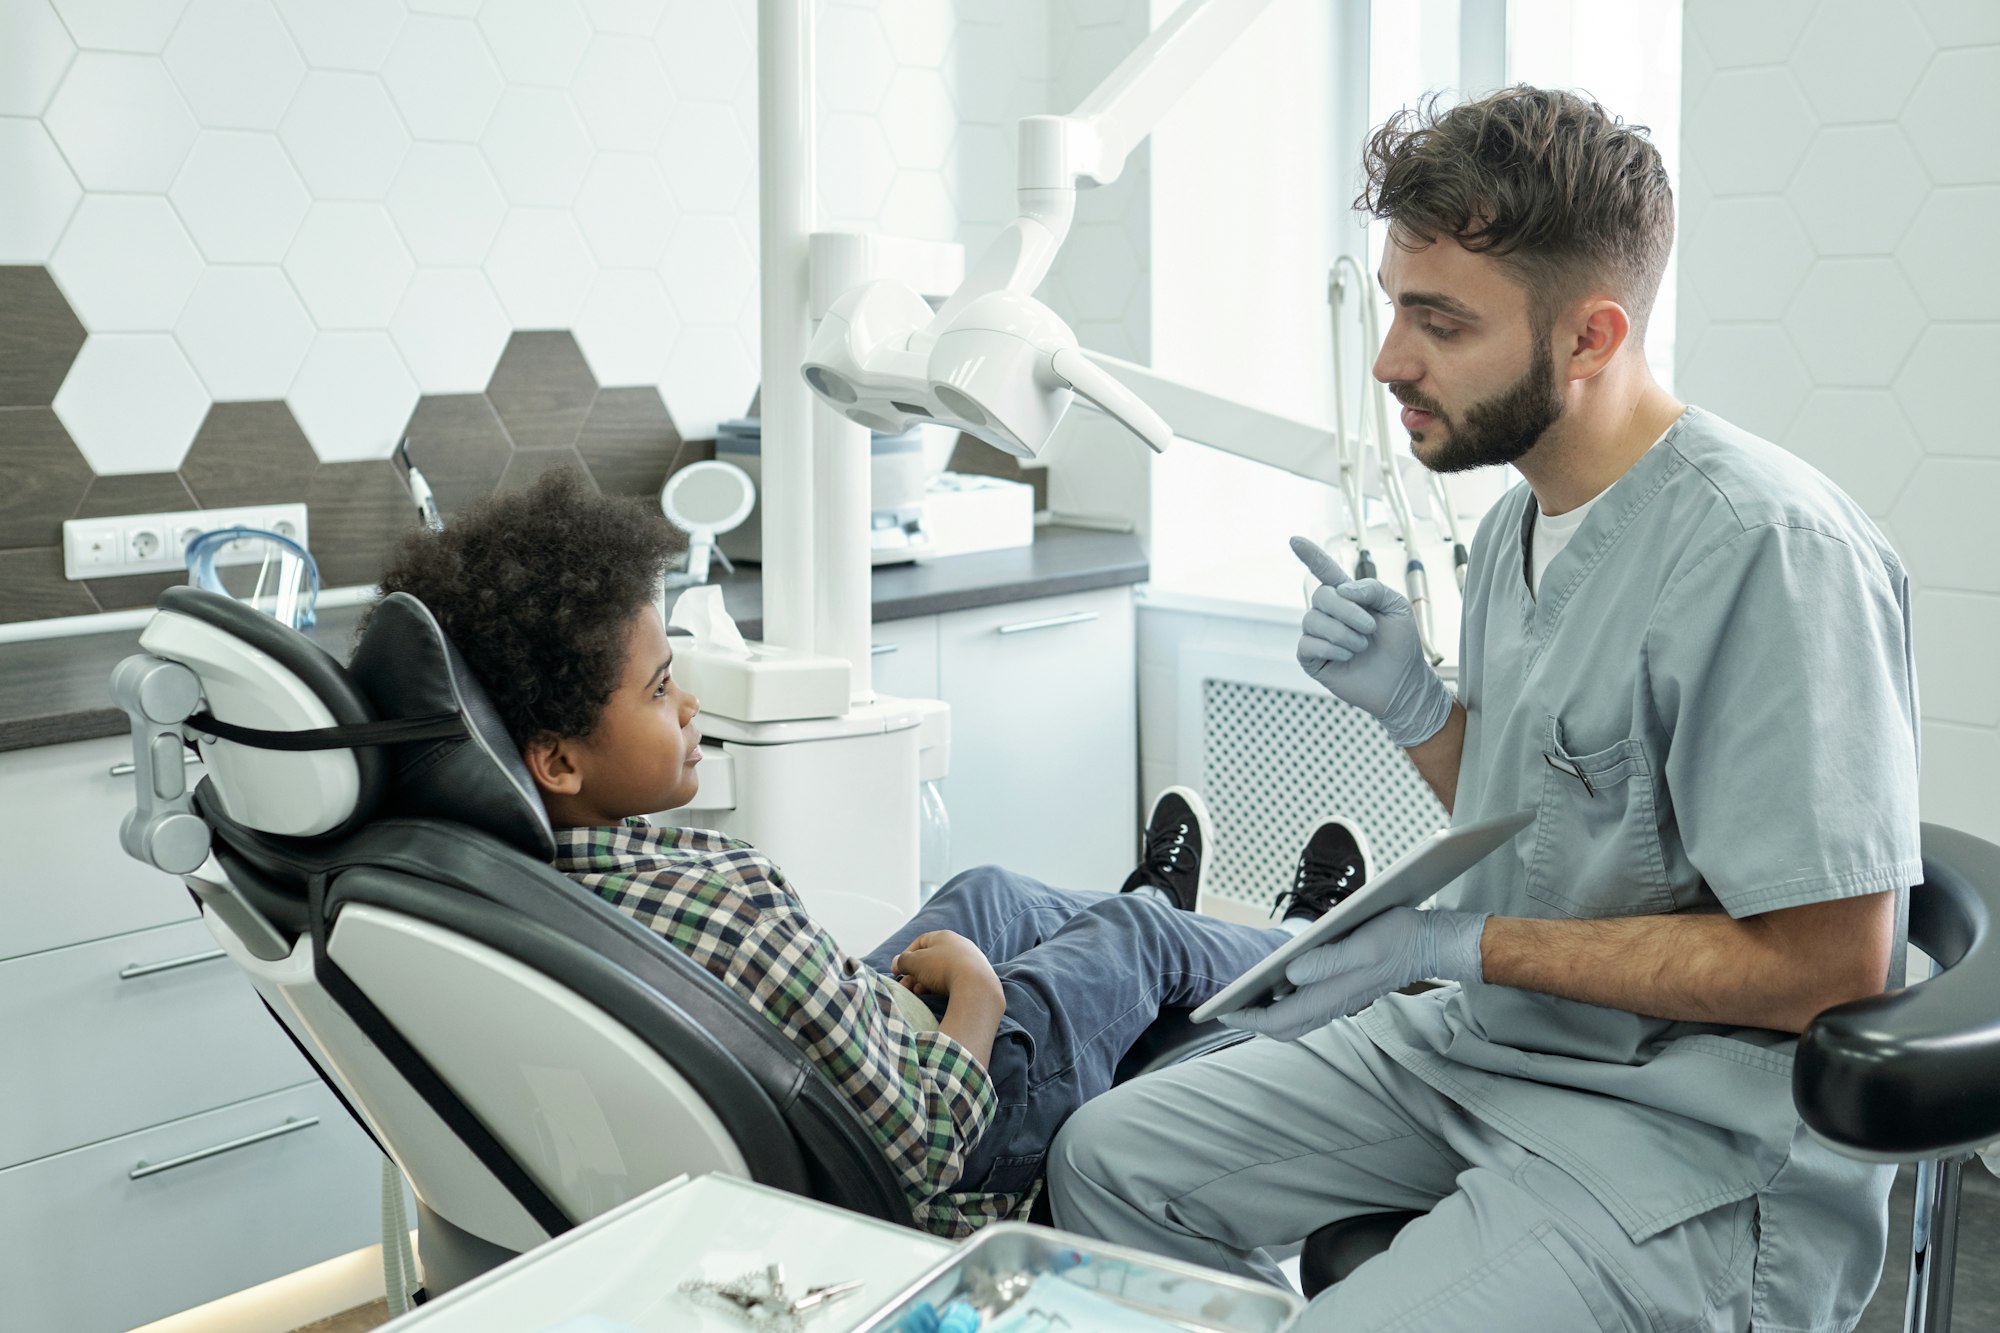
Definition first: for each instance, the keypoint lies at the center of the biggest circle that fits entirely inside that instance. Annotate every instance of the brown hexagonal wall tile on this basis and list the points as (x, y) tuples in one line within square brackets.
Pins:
[(248, 454), (458, 443), (135, 493), (528, 464), (42, 477), (357, 512), (39, 337), (629, 442), (542, 390), (32, 586)]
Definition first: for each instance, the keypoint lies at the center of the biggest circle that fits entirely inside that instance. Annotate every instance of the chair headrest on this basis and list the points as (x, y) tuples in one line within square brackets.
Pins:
[(406, 667)]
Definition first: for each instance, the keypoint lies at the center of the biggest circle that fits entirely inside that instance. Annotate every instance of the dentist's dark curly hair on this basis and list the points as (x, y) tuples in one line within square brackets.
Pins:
[(1561, 191), (537, 588)]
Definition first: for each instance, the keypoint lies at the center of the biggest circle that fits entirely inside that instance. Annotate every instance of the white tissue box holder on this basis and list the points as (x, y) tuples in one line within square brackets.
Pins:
[(762, 683)]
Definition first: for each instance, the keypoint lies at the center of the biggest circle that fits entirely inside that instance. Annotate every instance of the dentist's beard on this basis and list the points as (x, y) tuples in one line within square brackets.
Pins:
[(1502, 428)]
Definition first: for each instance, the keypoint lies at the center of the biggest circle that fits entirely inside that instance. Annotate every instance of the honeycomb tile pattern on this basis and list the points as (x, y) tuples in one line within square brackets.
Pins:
[(338, 221), (1843, 304)]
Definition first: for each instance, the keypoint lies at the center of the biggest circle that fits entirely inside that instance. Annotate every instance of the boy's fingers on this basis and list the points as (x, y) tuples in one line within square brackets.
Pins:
[(1323, 566)]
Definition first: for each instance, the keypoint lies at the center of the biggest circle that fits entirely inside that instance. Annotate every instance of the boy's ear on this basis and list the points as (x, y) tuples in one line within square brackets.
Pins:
[(552, 763)]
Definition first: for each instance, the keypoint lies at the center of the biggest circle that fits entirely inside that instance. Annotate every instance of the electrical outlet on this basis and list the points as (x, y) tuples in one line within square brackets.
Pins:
[(96, 548)]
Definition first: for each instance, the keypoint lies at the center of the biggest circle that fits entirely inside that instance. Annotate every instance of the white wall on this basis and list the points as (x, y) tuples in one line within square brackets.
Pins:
[(348, 204), (1840, 294)]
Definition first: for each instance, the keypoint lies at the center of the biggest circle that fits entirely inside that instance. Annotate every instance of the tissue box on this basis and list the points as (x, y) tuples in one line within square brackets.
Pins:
[(762, 683), (964, 513)]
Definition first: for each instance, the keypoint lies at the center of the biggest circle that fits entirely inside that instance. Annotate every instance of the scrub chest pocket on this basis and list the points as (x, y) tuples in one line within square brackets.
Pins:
[(1597, 834)]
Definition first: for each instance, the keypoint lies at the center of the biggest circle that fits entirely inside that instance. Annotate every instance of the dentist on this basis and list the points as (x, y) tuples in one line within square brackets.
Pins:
[(1690, 654)]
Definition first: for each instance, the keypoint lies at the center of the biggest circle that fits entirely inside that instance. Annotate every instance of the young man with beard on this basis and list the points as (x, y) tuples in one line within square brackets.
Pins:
[(1690, 654)]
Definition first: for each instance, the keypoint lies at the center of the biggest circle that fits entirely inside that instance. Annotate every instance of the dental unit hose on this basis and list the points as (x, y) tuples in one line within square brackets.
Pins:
[(420, 490)]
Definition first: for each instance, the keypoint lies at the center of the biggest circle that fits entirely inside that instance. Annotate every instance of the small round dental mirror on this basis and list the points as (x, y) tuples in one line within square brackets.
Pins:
[(705, 500)]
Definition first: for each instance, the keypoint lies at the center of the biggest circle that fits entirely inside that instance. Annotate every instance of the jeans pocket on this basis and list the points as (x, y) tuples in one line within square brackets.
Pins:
[(1597, 834)]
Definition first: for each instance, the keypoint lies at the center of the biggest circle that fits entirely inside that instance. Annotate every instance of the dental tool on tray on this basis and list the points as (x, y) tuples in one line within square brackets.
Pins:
[(1371, 428)]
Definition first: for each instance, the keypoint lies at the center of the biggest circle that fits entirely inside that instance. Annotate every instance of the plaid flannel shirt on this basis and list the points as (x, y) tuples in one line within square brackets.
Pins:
[(725, 905)]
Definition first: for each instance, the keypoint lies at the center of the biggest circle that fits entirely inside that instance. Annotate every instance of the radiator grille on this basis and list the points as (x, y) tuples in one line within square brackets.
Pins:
[(1276, 762)]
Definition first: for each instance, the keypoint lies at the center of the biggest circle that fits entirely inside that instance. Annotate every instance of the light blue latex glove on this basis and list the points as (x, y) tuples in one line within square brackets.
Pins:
[(1382, 954), (1360, 641)]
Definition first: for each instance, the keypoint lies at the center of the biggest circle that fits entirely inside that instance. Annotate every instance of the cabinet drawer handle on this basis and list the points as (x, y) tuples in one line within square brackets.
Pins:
[(125, 770), (132, 970), (1073, 618), (291, 1126), (883, 649)]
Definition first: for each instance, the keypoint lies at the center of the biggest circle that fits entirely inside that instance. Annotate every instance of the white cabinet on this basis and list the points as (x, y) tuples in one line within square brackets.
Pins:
[(1044, 725), (905, 657)]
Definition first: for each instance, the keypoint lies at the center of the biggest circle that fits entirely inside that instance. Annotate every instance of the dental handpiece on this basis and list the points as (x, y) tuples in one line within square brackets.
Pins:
[(1418, 584)]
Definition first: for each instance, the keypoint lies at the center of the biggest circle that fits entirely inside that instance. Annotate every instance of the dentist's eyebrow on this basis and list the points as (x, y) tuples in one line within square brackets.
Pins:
[(1448, 306)]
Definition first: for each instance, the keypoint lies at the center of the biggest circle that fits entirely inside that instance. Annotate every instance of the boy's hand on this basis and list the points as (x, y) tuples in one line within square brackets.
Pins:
[(940, 962)]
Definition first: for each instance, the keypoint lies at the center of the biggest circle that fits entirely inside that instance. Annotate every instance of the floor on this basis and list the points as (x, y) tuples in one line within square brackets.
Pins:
[(1976, 1295)]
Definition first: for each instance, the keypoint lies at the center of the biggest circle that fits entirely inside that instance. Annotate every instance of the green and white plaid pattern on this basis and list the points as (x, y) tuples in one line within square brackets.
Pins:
[(725, 905)]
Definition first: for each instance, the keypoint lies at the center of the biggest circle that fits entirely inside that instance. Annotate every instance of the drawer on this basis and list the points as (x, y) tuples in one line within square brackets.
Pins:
[(86, 1248), (106, 1055), (904, 656), (64, 877)]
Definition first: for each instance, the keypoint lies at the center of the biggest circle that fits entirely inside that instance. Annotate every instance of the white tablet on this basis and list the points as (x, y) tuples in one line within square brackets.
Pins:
[(1419, 873)]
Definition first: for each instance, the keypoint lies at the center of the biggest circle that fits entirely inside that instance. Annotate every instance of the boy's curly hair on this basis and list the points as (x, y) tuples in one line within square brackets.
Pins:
[(536, 589)]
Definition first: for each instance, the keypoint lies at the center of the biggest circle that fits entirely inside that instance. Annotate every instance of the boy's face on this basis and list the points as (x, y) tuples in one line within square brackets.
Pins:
[(641, 756)]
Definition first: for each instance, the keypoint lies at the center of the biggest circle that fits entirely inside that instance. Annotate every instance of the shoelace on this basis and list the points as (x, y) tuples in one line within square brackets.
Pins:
[(1163, 854), (1316, 872)]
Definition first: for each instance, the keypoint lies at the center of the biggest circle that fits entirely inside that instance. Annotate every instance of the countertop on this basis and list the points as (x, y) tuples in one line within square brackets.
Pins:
[(56, 690)]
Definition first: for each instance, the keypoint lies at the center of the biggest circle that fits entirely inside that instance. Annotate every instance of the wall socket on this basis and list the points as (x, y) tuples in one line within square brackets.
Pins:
[(102, 548)]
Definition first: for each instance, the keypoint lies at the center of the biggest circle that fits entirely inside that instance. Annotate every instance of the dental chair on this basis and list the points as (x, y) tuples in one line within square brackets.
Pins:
[(369, 848), (1912, 1075)]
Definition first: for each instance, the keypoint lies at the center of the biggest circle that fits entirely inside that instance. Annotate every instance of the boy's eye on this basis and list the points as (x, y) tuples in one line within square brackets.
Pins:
[(661, 692), (1438, 331)]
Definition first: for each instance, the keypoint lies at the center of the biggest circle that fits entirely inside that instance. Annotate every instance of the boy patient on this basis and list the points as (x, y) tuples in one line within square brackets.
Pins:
[(966, 1038)]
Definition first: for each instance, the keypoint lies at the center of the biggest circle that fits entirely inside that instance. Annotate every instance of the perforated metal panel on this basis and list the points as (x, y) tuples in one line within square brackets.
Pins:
[(1276, 762)]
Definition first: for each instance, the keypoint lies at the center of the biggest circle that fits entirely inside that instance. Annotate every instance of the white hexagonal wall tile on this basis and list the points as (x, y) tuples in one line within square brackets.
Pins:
[(1692, 199), (918, 118), (1748, 258), (132, 403), (537, 147), (1933, 253), (452, 9), (707, 157), (1712, 132), (854, 63), (1958, 85), (1859, 59), (41, 193), (245, 333), (919, 205), (1747, 373), (626, 328), (443, 78), (1961, 22), (536, 41), (1945, 519), (121, 123), (1956, 632), (344, 135), (856, 166), (708, 270), (240, 197), (235, 63), (1690, 320), (981, 174), (541, 268), (638, 17), (35, 49), (622, 94), (451, 330), (353, 397), (1854, 320), (919, 31), (126, 264), (1935, 387), (354, 34), (1956, 786), (447, 204), (1100, 270), (1859, 439), (710, 377), (709, 47), (350, 266), (1858, 188), (625, 211), (1740, 34), (141, 26), (1086, 55)]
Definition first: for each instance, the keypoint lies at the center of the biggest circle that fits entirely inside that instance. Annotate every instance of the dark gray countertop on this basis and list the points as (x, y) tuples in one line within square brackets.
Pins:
[(55, 690)]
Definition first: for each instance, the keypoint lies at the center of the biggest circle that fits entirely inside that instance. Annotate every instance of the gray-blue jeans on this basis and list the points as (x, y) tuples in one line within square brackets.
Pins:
[(1084, 975)]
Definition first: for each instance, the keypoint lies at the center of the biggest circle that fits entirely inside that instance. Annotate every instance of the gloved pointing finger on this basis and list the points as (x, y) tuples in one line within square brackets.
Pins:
[(1322, 566)]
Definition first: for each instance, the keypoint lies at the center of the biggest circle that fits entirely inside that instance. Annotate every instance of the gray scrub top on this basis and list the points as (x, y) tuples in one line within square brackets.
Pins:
[(1720, 662)]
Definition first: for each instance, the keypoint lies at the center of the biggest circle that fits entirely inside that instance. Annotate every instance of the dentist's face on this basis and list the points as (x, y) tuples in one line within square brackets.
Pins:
[(1476, 377)]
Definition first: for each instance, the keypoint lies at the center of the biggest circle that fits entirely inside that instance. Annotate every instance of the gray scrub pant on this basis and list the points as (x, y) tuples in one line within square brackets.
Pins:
[(1261, 1144)]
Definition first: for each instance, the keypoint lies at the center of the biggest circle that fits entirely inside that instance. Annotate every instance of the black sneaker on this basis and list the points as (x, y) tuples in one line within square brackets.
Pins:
[(1333, 865), (1178, 836)]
